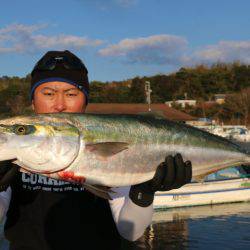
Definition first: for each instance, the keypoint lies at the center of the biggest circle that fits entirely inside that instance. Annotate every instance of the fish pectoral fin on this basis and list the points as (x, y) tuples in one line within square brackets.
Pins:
[(19, 163), (107, 149), (100, 191)]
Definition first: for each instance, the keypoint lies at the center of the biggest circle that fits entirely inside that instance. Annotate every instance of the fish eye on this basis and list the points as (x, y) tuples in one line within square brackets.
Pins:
[(22, 129)]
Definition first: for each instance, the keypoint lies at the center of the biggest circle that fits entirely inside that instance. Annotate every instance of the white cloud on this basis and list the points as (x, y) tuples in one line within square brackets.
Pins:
[(64, 41), (157, 49), (21, 38), (162, 49), (21, 28), (173, 50), (224, 51)]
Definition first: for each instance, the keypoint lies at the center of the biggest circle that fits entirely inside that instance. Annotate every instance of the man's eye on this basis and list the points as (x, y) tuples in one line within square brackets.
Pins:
[(71, 94), (48, 93)]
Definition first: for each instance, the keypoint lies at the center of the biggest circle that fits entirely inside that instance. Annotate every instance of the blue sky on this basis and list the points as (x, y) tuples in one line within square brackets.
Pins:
[(120, 39)]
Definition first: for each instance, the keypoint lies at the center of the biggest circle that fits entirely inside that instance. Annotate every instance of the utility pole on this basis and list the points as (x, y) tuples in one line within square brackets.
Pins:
[(148, 91)]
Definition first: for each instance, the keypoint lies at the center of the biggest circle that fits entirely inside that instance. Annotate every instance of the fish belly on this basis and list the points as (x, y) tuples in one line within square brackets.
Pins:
[(138, 164)]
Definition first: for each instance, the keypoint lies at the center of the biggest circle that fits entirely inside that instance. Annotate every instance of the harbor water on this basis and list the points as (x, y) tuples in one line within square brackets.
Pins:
[(225, 226)]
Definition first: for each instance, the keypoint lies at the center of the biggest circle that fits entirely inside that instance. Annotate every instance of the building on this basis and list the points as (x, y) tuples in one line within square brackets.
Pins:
[(139, 108), (183, 103), (220, 98)]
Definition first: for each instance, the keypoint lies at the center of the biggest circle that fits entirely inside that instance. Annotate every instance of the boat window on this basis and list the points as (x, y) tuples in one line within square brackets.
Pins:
[(228, 173)]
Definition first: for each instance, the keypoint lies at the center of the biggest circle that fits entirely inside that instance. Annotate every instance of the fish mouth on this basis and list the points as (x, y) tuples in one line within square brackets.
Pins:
[(3, 135), (3, 139)]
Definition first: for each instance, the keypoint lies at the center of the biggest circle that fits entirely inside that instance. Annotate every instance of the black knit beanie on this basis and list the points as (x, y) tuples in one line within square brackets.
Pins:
[(61, 66)]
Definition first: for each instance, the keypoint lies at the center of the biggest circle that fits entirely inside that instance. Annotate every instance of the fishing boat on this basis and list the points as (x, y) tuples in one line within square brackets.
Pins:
[(238, 133), (200, 212), (225, 186)]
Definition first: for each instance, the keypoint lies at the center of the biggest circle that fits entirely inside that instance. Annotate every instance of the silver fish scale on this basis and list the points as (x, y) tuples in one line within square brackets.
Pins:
[(146, 129)]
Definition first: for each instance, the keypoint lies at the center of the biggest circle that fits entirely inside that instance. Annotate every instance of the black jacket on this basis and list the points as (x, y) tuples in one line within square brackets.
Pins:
[(46, 214)]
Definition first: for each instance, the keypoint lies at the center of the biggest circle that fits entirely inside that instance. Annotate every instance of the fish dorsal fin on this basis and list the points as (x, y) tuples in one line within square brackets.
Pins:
[(107, 149), (100, 191)]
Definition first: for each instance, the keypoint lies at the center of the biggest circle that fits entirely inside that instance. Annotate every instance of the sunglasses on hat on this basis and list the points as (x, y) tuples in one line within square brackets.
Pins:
[(67, 62)]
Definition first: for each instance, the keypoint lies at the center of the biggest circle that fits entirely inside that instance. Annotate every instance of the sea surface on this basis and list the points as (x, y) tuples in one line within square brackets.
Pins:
[(225, 226)]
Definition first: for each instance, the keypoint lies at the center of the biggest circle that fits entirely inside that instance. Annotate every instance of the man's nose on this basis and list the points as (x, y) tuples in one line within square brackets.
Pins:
[(60, 104)]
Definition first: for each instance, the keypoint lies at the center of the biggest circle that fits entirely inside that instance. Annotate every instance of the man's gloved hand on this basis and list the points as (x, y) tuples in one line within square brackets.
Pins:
[(8, 171), (170, 174)]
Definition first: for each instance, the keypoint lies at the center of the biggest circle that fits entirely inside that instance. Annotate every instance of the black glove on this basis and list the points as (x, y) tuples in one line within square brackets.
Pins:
[(8, 171), (170, 174)]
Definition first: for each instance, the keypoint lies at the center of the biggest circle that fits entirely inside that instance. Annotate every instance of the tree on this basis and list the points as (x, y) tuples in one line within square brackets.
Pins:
[(137, 91), (237, 107), (97, 92), (241, 77)]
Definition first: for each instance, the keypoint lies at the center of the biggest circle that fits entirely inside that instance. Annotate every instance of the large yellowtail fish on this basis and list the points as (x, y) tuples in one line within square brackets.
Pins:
[(110, 150)]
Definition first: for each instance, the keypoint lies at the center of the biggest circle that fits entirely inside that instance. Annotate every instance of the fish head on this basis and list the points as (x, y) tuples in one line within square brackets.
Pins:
[(41, 144)]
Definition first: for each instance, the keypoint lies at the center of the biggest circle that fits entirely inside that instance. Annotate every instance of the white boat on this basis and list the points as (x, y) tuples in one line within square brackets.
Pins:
[(233, 132), (242, 135), (200, 212), (222, 187)]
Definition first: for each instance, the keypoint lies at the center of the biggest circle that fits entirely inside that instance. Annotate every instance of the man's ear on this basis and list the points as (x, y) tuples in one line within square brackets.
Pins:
[(84, 104), (84, 108), (32, 105)]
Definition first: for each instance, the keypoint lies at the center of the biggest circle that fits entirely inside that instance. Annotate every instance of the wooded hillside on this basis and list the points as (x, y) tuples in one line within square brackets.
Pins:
[(200, 83)]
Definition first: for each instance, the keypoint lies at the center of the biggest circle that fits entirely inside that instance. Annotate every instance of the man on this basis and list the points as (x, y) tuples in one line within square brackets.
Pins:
[(48, 214)]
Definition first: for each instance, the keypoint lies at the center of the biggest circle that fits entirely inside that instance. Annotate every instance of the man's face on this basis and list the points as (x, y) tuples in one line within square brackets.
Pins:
[(55, 97)]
